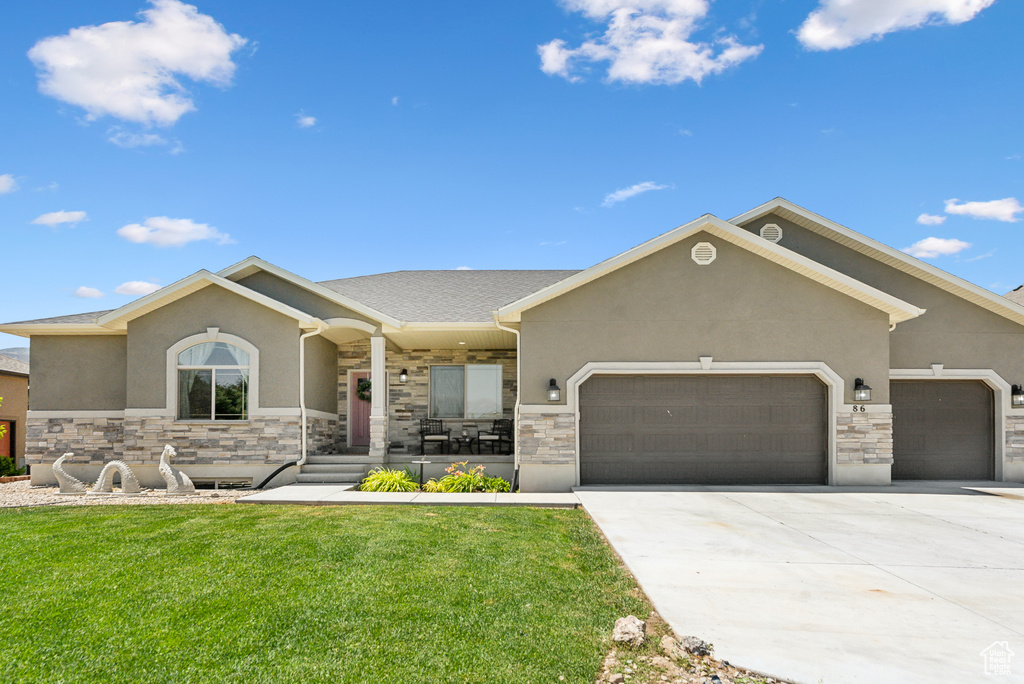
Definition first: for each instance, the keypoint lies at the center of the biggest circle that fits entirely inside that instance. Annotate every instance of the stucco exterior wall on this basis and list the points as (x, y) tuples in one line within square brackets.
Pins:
[(739, 308), (14, 390), (297, 297), (321, 374), (409, 402), (149, 337), (953, 331), (79, 372)]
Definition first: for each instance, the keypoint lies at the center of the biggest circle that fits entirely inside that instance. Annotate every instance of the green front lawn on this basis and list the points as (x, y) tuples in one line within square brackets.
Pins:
[(297, 594)]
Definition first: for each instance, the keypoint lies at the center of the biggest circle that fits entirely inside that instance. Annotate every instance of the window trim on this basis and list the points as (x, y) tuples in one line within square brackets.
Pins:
[(212, 335), (465, 380)]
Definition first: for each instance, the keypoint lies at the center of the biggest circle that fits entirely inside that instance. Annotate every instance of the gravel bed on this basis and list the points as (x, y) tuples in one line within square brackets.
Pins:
[(20, 494)]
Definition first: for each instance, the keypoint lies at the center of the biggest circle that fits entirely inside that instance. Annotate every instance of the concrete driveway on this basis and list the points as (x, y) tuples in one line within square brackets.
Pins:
[(908, 583)]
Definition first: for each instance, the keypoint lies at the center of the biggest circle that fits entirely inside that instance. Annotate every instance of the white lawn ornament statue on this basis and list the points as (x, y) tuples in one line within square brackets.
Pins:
[(68, 484), (105, 483), (178, 483)]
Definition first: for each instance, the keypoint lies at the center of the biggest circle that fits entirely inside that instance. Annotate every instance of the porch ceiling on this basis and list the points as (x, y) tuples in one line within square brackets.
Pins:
[(450, 339)]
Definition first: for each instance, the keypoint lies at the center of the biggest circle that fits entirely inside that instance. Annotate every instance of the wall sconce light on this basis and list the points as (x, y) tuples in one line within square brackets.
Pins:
[(403, 376), (861, 392), (554, 391), (1017, 396)]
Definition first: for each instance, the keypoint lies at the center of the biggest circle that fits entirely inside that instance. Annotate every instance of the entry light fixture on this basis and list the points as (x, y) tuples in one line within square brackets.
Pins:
[(861, 392), (1017, 396), (403, 376), (554, 391)]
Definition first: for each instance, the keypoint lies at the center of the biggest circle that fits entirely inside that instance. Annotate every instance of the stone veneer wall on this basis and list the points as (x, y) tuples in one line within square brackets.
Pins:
[(1014, 438), (409, 402), (139, 440), (93, 440), (863, 438), (547, 438)]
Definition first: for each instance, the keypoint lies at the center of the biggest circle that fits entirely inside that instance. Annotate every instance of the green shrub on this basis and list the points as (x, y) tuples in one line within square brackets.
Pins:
[(7, 467), (463, 480), (385, 480)]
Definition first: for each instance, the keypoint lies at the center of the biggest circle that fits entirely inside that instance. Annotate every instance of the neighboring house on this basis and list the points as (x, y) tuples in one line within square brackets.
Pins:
[(722, 352), (14, 390)]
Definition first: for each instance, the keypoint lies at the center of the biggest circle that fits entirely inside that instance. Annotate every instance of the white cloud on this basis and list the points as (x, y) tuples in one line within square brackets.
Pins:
[(168, 232), (997, 210), (646, 41), (130, 69), (464, 268), (624, 194), (838, 24), (136, 287), (931, 220), (56, 218), (986, 255), (305, 121), (7, 184), (88, 292), (932, 247), (394, 101), (129, 139), (552, 243)]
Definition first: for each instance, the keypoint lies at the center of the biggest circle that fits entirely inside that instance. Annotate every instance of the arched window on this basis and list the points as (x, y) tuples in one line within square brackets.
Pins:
[(213, 382)]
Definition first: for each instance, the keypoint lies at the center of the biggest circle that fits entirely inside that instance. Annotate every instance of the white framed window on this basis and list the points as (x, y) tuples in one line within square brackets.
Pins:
[(470, 391), (213, 382), (213, 376)]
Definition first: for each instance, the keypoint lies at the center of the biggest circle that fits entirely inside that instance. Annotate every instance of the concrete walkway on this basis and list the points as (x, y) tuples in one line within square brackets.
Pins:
[(909, 583), (340, 495)]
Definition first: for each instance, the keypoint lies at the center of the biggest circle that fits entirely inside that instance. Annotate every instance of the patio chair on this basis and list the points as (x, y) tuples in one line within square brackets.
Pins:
[(432, 431), (498, 437)]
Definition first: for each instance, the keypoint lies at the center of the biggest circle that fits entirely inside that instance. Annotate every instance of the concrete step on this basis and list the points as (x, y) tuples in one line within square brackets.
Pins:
[(358, 468), (337, 458), (332, 478)]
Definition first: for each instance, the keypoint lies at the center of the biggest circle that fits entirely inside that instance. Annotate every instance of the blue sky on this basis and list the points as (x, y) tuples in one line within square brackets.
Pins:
[(339, 139)]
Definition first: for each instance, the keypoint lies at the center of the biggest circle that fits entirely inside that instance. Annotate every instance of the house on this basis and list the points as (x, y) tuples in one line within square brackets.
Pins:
[(14, 390), (776, 347)]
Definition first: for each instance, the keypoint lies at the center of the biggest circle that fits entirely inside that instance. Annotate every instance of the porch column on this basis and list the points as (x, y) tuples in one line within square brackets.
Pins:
[(378, 400)]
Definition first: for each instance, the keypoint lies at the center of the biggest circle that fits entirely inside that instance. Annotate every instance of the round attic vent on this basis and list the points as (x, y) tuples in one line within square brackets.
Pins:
[(771, 232), (703, 253)]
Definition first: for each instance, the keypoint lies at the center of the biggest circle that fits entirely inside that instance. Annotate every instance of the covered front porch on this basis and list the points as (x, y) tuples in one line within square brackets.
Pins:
[(466, 378)]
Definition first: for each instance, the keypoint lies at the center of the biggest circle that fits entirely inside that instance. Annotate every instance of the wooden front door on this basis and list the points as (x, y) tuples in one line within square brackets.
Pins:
[(6, 447), (358, 411)]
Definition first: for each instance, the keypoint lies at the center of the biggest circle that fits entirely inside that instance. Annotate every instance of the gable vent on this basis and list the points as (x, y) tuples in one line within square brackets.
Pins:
[(703, 253), (771, 232)]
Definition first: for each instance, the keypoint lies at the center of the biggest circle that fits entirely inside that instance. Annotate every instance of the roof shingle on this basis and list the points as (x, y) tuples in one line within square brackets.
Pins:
[(443, 296)]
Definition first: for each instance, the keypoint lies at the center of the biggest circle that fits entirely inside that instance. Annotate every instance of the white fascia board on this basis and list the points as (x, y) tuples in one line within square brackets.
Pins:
[(118, 319), (912, 265), (897, 309), (247, 267), (29, 329), (445, 325)]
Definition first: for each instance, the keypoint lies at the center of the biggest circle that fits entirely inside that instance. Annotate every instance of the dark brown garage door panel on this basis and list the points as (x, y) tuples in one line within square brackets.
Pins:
[(697, 429), (942, 430)]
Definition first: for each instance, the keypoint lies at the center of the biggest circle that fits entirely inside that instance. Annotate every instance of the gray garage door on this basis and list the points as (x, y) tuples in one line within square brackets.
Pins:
[(690, 429), (942, 430)]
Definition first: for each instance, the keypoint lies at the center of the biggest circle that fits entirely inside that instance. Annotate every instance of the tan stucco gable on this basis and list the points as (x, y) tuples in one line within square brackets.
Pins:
[(897, 309), (752, 220)]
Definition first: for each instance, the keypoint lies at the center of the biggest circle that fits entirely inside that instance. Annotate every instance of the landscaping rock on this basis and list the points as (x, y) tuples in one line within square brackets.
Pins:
[(631, 630), (695, 646), (616, 679)]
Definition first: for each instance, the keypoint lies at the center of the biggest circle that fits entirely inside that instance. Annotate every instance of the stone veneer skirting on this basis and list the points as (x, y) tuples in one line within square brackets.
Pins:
[(139, 440), (864, 438), (410, 401), (547, 438), (1014, 438)]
